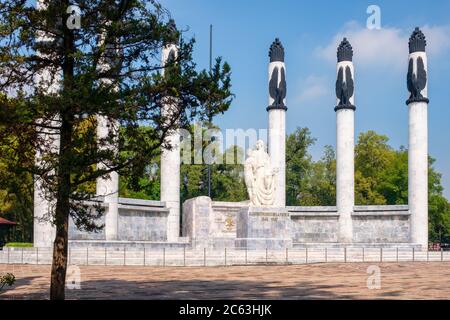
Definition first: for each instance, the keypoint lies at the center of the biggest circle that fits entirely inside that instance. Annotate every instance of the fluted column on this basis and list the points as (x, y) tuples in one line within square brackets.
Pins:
[(43, 208), (277, 119), (108, 186), (345, 141), (418, 139), (170, 158)]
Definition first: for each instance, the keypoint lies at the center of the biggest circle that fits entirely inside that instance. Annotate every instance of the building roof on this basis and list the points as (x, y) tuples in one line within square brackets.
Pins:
[(3, 221)]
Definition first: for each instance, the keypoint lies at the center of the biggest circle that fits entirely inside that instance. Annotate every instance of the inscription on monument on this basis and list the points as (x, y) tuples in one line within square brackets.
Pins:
[(269, 214)]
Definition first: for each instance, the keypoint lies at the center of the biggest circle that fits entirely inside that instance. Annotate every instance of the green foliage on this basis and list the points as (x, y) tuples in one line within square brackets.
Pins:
[(227, 183), (393, 180), (323, 180), (438, 218), (131, 97), (308, 183), (372, 156), (59, 80), (7, 280), (16, 186), (19, 245), (381, 177), (298, 165), (147, 188)]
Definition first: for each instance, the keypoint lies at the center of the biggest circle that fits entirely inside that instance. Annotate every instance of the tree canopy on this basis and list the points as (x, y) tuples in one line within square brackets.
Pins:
[(56, 81)]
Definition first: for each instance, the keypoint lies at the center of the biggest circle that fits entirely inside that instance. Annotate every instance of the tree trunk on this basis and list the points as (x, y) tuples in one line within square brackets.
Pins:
[(60, 246), (59, 263)]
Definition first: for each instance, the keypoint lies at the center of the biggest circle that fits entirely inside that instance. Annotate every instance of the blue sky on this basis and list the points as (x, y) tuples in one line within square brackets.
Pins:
[(310, 32)]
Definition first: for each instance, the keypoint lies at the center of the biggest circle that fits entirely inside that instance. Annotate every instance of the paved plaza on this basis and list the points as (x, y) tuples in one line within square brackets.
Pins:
[(412, 280)]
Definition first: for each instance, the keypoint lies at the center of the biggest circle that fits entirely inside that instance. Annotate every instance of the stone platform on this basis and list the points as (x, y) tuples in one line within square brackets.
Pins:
[(216, 225), (263, 227), (80, 244), (316, 245)]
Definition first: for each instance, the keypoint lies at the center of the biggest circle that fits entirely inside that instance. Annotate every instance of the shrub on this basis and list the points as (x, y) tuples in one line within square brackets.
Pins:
[(8, 279)]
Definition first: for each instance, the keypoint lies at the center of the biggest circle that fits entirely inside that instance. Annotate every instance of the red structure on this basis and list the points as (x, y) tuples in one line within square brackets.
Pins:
[(5, 228)]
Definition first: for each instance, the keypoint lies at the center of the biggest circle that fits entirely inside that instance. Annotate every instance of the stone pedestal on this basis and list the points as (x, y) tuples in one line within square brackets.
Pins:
[(263, 228), (207, 227), (197, 214)]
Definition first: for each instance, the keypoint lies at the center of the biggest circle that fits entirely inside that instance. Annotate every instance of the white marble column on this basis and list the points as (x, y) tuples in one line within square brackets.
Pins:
[(277, 119), (171, 160), (108, 185), (345, 141), (43, 208), (418, 139)]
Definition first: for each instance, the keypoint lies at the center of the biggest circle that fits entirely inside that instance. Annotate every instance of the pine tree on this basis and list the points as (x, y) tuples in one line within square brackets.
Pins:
[(75, 87)]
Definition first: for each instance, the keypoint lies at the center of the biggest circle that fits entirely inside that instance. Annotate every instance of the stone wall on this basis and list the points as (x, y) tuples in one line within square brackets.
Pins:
[(139, 220), (314, 224), (371, 224), (381, 224), (75, 234), (213, 224)]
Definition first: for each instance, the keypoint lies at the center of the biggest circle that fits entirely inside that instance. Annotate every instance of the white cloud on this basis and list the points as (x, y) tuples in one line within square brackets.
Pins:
[(438, 39), (386, 47), (312, 88)]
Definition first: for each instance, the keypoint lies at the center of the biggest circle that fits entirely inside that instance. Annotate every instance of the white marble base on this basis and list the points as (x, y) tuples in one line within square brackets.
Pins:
[(263, 228)]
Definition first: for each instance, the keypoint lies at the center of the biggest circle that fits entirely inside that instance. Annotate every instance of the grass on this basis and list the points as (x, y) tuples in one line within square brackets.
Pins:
[(19, 245)]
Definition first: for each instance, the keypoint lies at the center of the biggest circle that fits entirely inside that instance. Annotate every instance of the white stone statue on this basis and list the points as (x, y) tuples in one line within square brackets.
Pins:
[(260, 177)]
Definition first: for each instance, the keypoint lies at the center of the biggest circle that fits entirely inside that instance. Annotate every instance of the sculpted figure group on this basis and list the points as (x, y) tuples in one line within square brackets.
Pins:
[(260, 177)]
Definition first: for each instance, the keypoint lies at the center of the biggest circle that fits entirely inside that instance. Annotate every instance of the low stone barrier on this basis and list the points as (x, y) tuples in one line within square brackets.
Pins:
[(226, 257)]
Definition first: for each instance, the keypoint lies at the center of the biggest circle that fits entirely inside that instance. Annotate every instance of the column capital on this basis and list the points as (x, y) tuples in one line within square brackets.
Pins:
[(417, 41), (417, 77), (345, 87), (173, 33), (277, 77), (344, 51), (276, 51)]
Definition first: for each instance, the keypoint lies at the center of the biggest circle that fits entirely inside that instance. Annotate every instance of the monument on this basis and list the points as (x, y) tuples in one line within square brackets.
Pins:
[(260, 176), (262, 224), (345, 140), (170, 154), (108, 186), (418, 138), (264, 221), (44, 232), (277, 118)]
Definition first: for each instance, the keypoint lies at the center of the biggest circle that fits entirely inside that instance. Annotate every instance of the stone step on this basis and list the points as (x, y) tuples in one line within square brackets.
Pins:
[(298, 245)]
